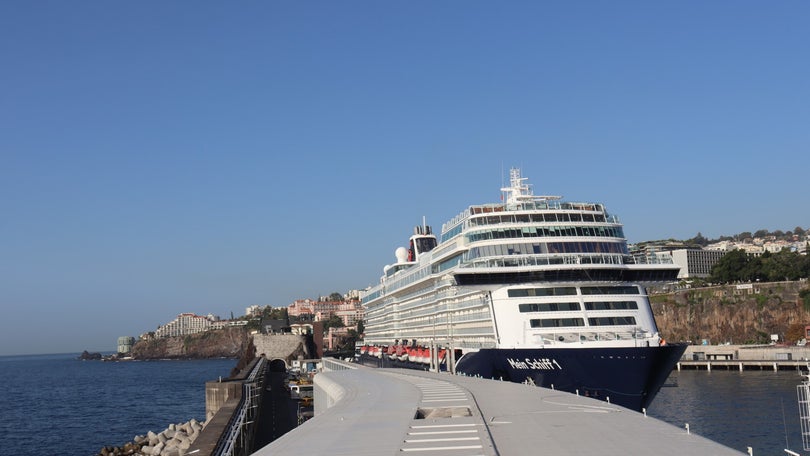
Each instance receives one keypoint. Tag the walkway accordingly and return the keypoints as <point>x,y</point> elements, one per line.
<point>395,411</point>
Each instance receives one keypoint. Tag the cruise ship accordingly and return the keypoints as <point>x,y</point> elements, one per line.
<point>532,289</point>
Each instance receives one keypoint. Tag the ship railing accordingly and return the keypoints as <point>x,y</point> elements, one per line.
<point>444,295</point>
<point>440,322</point>
<point>443,334</point>
<point>641,337</point>
<point>473,344</point>
<point>544,260</point>
<point>444,319</point>
<point>455,307</point>
<point>652,259</point>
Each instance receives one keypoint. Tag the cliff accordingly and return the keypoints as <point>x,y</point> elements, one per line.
<point>222,343</point>
<point>740,314</point>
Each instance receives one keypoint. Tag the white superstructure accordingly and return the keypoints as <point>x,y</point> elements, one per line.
<point>530,272</point>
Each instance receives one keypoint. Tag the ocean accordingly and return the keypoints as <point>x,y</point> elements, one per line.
<point>56,404</point>
<point>757,409</point>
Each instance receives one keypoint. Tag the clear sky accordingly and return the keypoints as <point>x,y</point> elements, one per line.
<point>166,157</point>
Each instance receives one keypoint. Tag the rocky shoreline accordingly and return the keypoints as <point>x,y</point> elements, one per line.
<point>173,441</point>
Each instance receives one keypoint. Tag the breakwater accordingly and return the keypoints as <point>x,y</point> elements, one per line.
<point>172,441</point>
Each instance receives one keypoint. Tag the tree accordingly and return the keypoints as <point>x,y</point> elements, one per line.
<point>731,267</point>
<point>698,240</point>
<point>333,322</point>
<point>336,297</point>
<point>798,231</point>
<point>761,233</point>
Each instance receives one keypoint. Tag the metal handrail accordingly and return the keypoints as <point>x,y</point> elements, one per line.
<point>244,415</point>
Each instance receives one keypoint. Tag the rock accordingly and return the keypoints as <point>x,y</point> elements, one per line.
<point>90,356</point>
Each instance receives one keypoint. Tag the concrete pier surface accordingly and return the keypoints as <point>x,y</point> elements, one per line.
<point>363,411</point>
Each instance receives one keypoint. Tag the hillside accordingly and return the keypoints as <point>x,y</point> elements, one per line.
<point>739,314</point>
<point>227,343</point>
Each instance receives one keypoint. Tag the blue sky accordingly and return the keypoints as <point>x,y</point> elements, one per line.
<point>168,157</point>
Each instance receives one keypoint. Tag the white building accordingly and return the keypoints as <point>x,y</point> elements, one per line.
<point>695,262</point>
<point>185,323</point>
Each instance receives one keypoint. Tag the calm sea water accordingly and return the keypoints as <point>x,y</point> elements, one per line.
<point>56,404</point>
<point>757,409</point>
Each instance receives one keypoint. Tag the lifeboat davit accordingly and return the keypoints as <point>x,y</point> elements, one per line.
<point>442,355</point>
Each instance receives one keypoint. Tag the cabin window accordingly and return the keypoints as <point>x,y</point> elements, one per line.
<point>612,321</point>
<point>625,290</point>
<point>550,291</point>
<point>611,305</point>
<point>556,322</point>
<point>549,307</point>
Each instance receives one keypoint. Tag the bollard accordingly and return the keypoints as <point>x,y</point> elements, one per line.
<point>687,428</point>
<point>644,411</point>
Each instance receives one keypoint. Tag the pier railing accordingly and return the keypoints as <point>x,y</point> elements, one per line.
<point>237,440</point>
<point>231,409</point>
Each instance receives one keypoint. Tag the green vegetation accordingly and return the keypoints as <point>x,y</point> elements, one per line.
<point>738,266</point>
<point>333,322</point>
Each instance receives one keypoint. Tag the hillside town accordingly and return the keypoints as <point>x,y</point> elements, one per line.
<point>697,257</point>
<point>339,316</point>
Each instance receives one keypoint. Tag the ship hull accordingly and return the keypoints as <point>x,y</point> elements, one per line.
<point>629,377</point>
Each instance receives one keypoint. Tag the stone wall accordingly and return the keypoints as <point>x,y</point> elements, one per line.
<point>280,346</point>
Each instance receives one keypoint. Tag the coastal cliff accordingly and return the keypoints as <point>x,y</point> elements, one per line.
<point>221,343</point>
<point>740,314</point>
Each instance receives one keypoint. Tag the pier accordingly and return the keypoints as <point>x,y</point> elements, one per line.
<point>365,411</point>
<point>745,357</point>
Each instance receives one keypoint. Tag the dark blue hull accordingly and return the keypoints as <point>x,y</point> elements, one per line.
<point>629,377</point>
